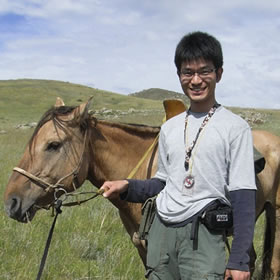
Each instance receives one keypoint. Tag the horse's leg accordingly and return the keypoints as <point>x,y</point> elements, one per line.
<point>253,257</point>
<point>269,238</point>
<point>259,211</point>
<point>132,230</point>
<point>130,214</point>
<point>260,208</point>
<point>275,258</point>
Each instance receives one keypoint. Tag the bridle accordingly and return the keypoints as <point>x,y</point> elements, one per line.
<point>59,186</point>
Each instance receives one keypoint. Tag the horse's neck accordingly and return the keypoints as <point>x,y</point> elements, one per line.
<point>116,149</point>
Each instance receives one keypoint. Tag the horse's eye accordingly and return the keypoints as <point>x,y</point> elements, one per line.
<point>53,146</point>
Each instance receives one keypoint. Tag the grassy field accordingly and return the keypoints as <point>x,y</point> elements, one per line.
<point>89,241</point>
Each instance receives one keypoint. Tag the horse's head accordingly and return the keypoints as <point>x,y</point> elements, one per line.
<point>54,161</point>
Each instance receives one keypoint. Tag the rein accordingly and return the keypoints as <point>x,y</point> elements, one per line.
<point>48,243</point>
<point>135,169</point>
<point>58,187</point>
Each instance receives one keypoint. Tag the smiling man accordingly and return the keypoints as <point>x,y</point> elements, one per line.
<point>199,85</point>
<point>205,170</point>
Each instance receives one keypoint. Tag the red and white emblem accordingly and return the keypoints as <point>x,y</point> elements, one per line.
<point>189,181</point>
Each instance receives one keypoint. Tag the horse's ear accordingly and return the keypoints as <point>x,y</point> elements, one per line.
<point>83,109</point>
<point>59,102</point>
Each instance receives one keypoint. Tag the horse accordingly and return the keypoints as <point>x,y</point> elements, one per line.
<point>69,146</point>
<point>268,200</point>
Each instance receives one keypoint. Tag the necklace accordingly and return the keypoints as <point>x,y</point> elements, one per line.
<point>189,180</point>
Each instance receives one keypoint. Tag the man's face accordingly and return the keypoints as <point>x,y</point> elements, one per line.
<point>198,80</point>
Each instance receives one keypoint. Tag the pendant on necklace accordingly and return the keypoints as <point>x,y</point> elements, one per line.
<point>189,181</point>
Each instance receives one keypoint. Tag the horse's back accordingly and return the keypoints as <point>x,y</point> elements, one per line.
<point>267,144</point>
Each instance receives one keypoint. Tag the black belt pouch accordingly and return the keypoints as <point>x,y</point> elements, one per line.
<point>218,216</point>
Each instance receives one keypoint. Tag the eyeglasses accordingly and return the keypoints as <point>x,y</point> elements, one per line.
<point>203,73</point>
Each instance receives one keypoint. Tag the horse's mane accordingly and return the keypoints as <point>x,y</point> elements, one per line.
<point>52,114</point>
<point>132,127</point>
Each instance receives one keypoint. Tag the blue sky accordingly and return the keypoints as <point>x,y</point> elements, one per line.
<point>125,46</point>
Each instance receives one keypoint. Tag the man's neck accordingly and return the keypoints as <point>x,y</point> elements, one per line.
<point>197,107</point>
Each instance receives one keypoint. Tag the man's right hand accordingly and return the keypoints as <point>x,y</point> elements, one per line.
<point>112,189</point>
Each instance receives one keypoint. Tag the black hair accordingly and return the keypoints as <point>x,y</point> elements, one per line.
<point>198,45</point>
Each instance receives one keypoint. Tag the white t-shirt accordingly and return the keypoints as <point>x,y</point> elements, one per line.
<point>221,161</point>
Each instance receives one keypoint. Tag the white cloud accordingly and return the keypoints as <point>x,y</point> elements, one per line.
<point>128,45</point>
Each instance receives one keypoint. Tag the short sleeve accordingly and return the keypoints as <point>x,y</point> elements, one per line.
<point>241,167</point>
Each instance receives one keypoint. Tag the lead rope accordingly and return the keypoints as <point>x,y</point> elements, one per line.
<point>57,207</point>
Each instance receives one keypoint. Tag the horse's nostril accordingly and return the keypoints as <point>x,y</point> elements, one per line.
<point>13,207</point>
<point>14,203</point>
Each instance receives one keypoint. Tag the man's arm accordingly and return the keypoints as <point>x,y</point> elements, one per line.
<point>244,207</point>
<point>133,190</point>
<point>141,190</point>
<point>242,194</point>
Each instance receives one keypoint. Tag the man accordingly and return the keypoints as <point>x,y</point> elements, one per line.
<point>205,156</point>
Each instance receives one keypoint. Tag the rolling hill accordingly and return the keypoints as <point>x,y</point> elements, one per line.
<point>25,100</point>
<point>159,94</point>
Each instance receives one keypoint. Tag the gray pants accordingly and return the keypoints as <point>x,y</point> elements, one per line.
<point>171,255</point>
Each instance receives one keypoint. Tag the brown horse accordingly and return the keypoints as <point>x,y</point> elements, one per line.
<point>70,146</point>
<point>268,199</point>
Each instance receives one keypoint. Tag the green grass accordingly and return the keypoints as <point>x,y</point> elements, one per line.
<point>89,241</point>
<point>271,119</point>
